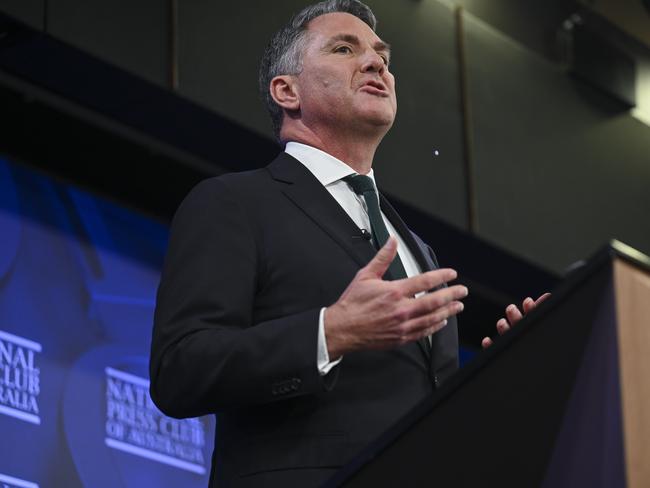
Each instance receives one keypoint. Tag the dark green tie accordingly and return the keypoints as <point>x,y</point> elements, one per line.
<point>364,186</point>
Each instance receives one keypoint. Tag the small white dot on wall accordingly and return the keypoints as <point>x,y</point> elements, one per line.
<point>436,152</point>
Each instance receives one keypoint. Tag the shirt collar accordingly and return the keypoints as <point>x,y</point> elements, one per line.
<point>326,168</point>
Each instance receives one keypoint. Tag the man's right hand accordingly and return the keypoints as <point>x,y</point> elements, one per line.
<point>376,314</point>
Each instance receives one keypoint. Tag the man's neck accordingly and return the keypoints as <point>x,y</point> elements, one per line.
<point>357,152</point>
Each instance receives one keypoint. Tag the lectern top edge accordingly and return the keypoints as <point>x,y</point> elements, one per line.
<point>630,254</point>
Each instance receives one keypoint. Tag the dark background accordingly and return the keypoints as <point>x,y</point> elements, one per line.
<point>539,110</point>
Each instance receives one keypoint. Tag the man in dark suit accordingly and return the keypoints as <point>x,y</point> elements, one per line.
<point>284,305</point>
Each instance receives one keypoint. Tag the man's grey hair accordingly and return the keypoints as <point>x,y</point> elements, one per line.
<point>283,55</point>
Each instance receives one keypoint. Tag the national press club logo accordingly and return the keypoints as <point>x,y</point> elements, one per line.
<point>115,434</point>
<point>19,377</point>
<point>135,425</point>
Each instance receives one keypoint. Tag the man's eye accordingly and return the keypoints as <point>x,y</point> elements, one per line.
<point>385,58</point>
<point>343,49</point>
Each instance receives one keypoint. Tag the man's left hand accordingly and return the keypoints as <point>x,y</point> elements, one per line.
<point>514,315</point>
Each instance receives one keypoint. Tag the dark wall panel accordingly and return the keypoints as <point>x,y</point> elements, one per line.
<point>534,23</point>
<point>133,35</point>
<point>220,45</point>
<point>29,11</point>
<point>220,48</point>
<point>559,168</point>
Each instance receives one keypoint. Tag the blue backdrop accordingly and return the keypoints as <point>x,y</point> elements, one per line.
<point>78,277</point>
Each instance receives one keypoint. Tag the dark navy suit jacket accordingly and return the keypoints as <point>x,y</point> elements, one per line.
<point>252,259</point>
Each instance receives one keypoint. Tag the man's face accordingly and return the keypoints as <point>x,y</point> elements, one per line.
<point>345,83</point>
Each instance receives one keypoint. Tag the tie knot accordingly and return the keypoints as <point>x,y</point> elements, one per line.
<point>360,183</point>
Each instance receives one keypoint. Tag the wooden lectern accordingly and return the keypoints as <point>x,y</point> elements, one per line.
<point>562,400</point>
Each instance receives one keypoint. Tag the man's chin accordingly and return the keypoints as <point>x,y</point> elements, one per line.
<point>381,120</point>
<point>375,127</point>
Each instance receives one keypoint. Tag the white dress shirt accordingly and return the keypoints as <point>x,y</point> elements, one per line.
<point>330,171</point>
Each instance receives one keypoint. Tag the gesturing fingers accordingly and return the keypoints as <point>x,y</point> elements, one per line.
<point>528,304</point>
<point>514,315</point>
<point>380,263</point>
<point>425,281</point>
<point>427,324</point>
<point>502,326</point>
<point>429,313</point>
<point>429,303</point>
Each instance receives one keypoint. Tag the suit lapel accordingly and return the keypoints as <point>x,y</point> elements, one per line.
<point>405,234</point>
<point>307,193</point>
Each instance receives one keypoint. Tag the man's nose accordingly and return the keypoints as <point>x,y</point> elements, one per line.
<point>373,62</point>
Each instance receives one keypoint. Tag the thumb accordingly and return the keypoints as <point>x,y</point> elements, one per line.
<point>380,263</point>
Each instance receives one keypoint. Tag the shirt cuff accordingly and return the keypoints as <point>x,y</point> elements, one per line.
<point>323,358</point>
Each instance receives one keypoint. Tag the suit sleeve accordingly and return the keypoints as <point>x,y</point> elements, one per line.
<point>206,354</point>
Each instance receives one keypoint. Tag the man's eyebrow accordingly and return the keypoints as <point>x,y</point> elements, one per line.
<point>382,46</point>
<point>354,40</point>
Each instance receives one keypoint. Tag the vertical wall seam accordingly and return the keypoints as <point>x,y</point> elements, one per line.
<point>467,145</point>
<point>45,16</point>
<point>173,44</point>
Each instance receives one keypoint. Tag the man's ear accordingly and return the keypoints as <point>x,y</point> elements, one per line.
<point>285,92</point>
